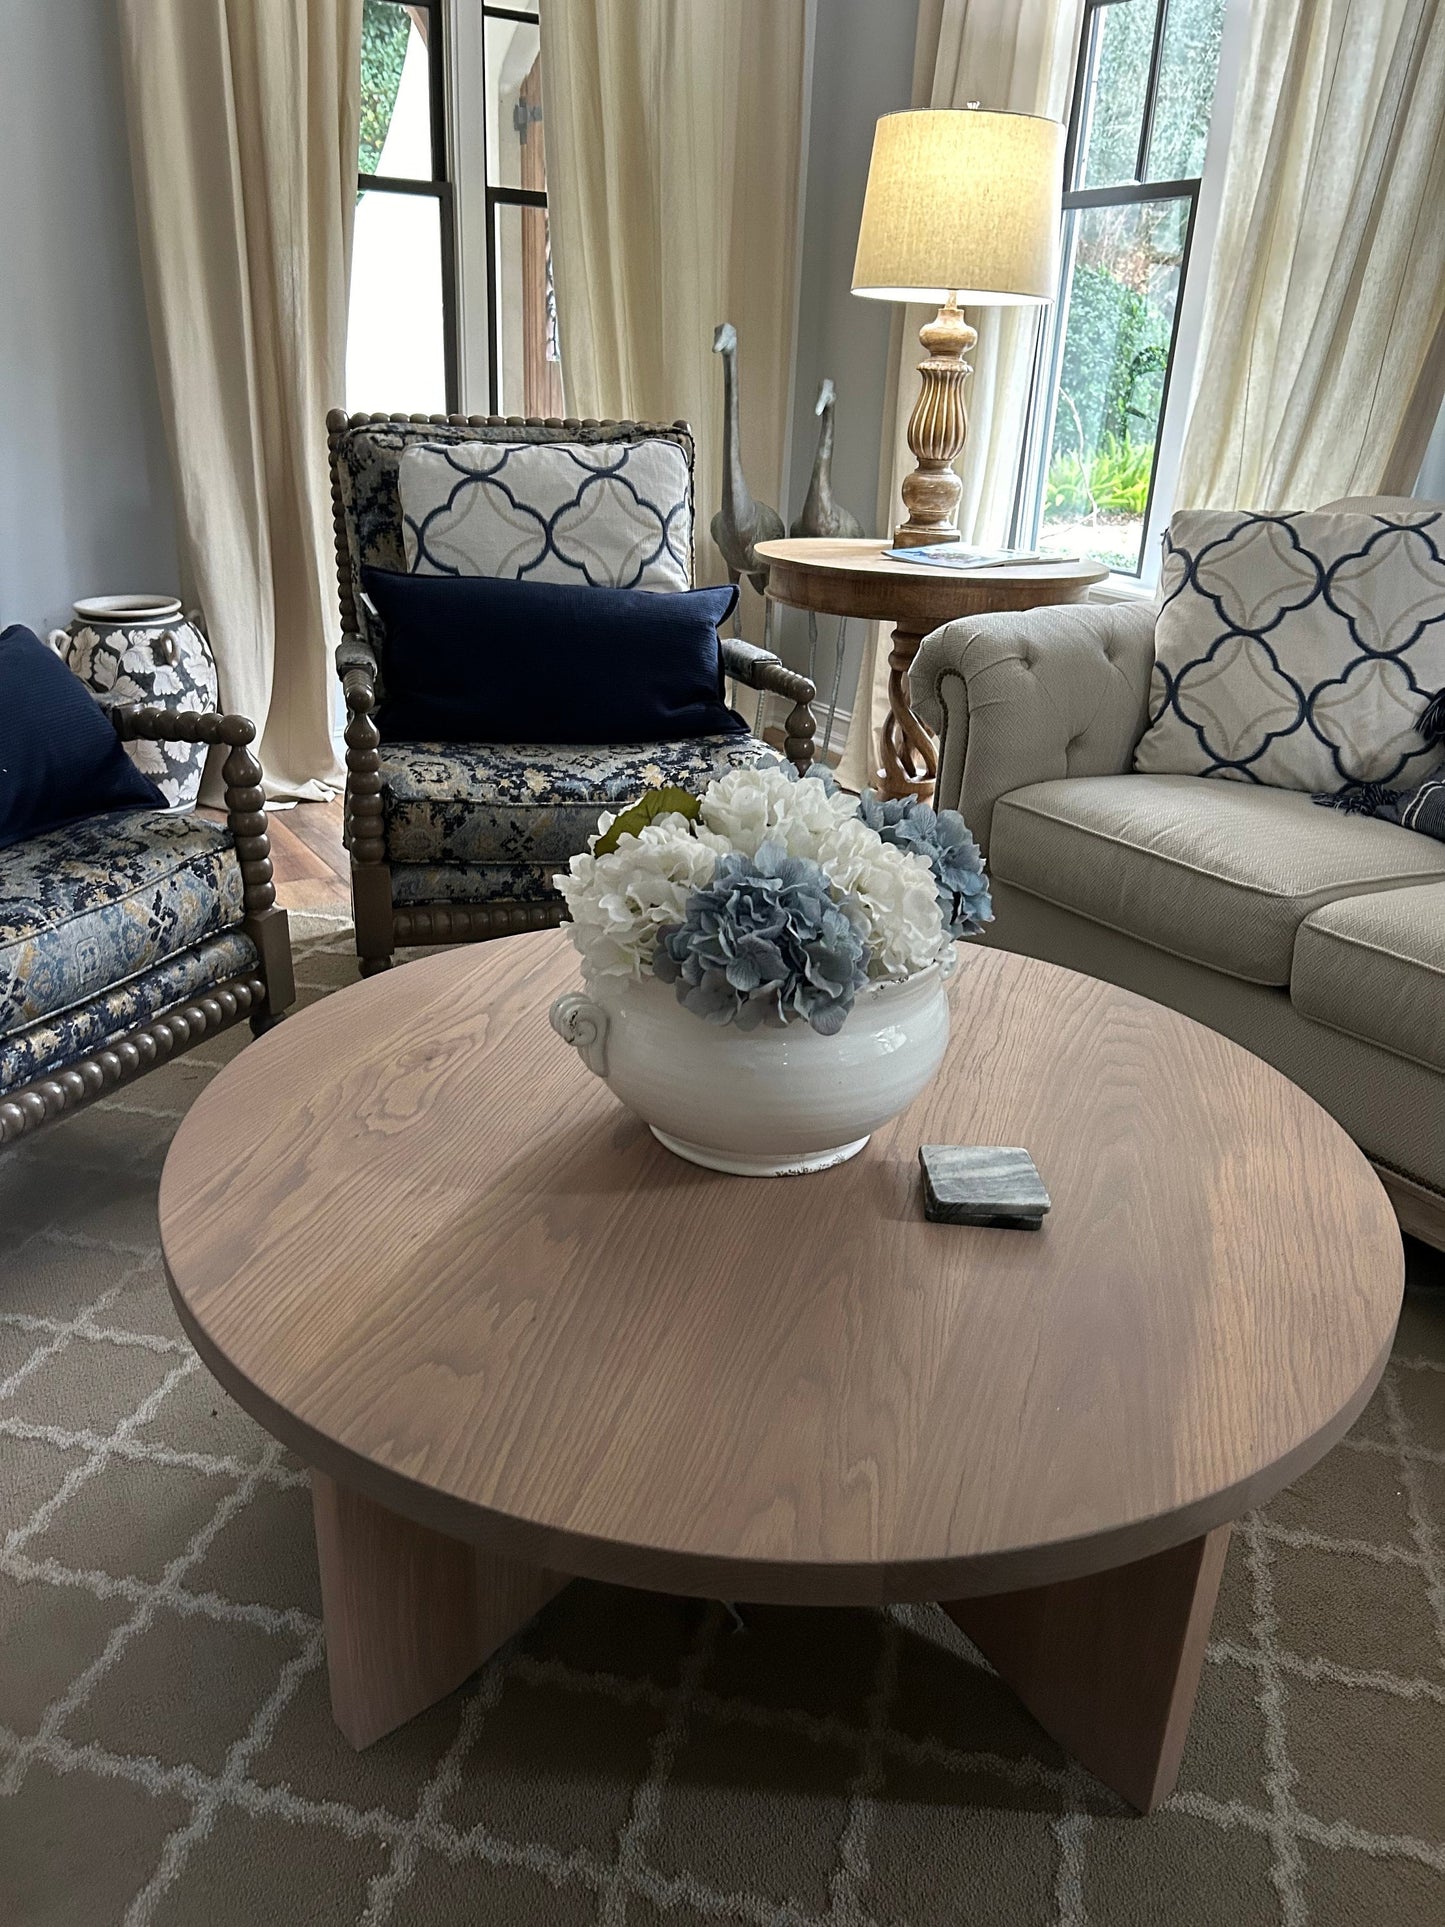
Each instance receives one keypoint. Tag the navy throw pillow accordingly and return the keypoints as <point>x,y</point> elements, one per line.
<point>60,758</point>
<point>488,659</point>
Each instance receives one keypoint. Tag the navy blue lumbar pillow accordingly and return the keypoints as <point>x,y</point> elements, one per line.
<point>60,758</point>
<point>488,659</point>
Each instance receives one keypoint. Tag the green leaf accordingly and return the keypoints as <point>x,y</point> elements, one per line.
<point>631,822</point>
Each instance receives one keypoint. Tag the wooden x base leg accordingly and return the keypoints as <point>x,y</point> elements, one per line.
<point>909,759</point>
<point>1109,1665</point>
<point>408,1612</point>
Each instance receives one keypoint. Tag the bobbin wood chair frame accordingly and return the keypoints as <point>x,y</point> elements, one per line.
<point>381,924</point>
<point>263,995</point>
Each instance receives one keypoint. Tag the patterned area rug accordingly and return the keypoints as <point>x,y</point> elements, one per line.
<point>167,1753</point>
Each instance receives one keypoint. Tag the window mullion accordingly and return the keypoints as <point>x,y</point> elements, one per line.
<point>1151,90</point>
<point>1076,143</point>
<point>1169,369</point>
<point>1130,193</point>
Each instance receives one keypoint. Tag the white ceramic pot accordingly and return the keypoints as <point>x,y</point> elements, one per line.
<point>141,649</point>
<point>767,1102</point>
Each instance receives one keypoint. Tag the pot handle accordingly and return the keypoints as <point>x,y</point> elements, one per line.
<point>582,1024</point>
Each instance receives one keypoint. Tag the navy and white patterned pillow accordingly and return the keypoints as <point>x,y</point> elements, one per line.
<point>614,515</point>
<point>1300,651</point>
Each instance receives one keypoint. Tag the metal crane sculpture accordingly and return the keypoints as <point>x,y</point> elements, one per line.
<point>820,514</point>
<point>741,523</point>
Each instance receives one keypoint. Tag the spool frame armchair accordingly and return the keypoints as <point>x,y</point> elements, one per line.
<point>263,993</point>
<point>360,517</point>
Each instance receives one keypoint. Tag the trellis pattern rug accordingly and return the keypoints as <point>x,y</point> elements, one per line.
<point>167,1753</point>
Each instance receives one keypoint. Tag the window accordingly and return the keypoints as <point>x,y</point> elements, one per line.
<point>401,343</point>
<point>1144,98</point>
<point>451,286</point>
<point>524,363</point>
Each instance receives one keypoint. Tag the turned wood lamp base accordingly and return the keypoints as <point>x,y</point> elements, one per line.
<point>937,430</point>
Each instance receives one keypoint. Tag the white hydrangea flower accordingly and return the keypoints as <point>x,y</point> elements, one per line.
<point>619,902</point>
<point>899,898</point>
<point>750,807</point>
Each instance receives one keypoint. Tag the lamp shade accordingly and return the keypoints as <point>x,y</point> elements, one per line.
<point>962,202</point>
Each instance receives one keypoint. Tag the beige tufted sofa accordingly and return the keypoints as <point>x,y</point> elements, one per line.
<point>1314,939</point>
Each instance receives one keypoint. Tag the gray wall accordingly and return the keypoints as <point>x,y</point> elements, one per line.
<point>85,500</point>
<point>862,67</point>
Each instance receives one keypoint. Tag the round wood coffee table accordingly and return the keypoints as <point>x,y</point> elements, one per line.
<point>518,1341</point>
<point>851,576</point>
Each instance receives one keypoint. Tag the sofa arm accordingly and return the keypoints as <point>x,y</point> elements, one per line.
<point>1033,694</point>
<point>761,669</point>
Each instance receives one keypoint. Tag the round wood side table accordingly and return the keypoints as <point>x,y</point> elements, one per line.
<point>516,1340</point>
<point>854,578</point>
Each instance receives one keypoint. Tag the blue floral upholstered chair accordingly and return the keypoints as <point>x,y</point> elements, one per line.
<point>127,938</point>
<point>452,842</point>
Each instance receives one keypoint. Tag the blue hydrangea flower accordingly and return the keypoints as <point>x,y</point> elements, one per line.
<point>943,837</point>
<point>765,943</point>
<point>814,773</point>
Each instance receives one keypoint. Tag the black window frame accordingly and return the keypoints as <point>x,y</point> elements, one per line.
<point>438,188</point>
<point>499,197</point>
<point>1043,404</point>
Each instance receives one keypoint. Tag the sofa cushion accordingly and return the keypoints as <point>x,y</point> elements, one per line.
<point>1222,874</point>
<point>1374,967</point>
<point>88,906</point>
<point>68,1035</point>
<point>534,803</point>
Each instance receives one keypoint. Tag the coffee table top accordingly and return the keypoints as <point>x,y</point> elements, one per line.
<point>424,1246</point>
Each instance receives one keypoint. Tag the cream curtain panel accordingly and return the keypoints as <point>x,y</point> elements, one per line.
<point>243,132</point>
<point>674,141</point>
<point>1323,356</point>
<point>1000,54</point>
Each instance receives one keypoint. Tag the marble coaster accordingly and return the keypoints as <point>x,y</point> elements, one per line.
<point>987,1184</point>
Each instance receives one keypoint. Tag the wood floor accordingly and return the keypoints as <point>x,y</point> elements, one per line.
<point>312,871</point>
<point>311,866</point>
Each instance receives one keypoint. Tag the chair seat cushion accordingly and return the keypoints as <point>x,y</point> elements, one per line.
<point>86,907</point>
<point>71,1034</point>
<point>1222,874</point>
<point>1374,967</point>
<point>534,803</point>
<point>472,882</point>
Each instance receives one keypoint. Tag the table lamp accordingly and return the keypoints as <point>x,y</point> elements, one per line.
<point>962,208</point>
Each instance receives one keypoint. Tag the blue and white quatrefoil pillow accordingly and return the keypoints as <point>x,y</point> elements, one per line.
<point>614,515</point>
<point>1299,651</point>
